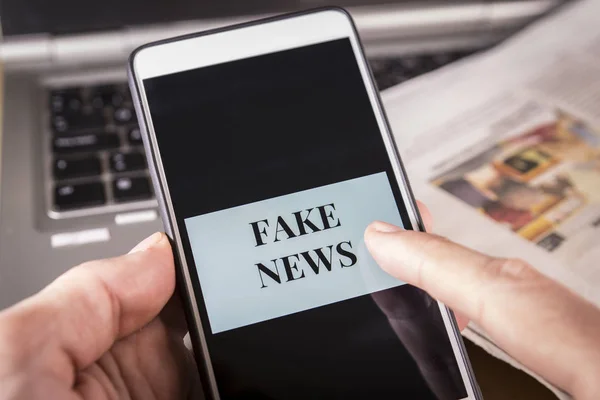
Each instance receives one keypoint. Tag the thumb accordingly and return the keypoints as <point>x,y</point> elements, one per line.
<point>78,317</point>
<point>527,314</point>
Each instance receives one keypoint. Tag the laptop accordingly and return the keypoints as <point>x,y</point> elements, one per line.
<point>74,181</point>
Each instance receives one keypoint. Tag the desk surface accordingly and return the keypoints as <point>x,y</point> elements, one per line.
<point>500,381</point>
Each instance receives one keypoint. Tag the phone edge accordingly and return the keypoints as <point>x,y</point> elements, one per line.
<point>453,323</point>
<point>202,361</point>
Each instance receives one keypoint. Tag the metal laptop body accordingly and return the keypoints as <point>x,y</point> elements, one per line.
<point>46,52</point>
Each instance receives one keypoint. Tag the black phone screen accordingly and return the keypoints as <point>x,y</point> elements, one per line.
<point>275,165</point>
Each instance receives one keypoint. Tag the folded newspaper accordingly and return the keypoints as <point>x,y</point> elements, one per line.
<point>504,148</point>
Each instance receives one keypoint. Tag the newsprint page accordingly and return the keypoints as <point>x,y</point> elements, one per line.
<point>504,148</point>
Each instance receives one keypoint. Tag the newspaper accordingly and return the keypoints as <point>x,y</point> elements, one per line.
<point>504,148</point>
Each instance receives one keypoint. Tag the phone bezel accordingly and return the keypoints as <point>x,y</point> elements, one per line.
<point>338,24</point>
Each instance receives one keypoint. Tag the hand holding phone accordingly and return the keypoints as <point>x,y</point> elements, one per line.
<point>270,154</point>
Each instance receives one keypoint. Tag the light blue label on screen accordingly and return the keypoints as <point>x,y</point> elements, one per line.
<point>290,253</point>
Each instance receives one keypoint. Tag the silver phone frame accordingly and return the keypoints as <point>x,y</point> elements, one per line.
<point>172,230</point>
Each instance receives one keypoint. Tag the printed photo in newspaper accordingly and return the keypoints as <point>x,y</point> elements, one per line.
<point>536,183</point>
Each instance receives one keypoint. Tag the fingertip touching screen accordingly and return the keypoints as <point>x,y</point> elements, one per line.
<point>276,165</point>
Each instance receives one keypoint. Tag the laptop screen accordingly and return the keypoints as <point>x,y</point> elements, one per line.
<point>72,16</point>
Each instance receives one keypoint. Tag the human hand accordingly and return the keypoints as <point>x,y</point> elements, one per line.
<point>536,320</point>
<point>95,333</point>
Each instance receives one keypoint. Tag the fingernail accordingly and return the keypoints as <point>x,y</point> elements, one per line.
<point>384,227</point>
<point>147,243</point>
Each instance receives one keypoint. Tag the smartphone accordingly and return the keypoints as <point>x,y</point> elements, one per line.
<point>270,154</point>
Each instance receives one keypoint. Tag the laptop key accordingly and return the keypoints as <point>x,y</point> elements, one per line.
<point>123,115</point>
<point>69,197</point>
<point>85,143</point>
<point>65,168</point>
<point>131,189</point>
<point>64,124</point>
<point>134,136</point>
<point>124,162</point>
<point>60,124</point>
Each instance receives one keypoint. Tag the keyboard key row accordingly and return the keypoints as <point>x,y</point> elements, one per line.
<point>107,96</point>
<point>73,100</point>
<point>392,71</point>
<point>77,123</point>
<point>62,124</point>
<point>71,168</point>
<point>93,194</point>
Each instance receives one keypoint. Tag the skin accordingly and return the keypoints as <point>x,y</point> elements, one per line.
<point>97,332</point>
<point>542,324</point>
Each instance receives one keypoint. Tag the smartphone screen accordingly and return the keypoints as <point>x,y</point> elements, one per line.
<point>275,166</point>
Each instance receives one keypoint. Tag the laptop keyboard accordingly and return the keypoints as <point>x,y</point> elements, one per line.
<point>97,152</point>
<point>98,161</point>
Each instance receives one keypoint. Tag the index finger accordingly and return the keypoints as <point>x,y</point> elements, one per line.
<point>431,263</point>
<point>527,314</point>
